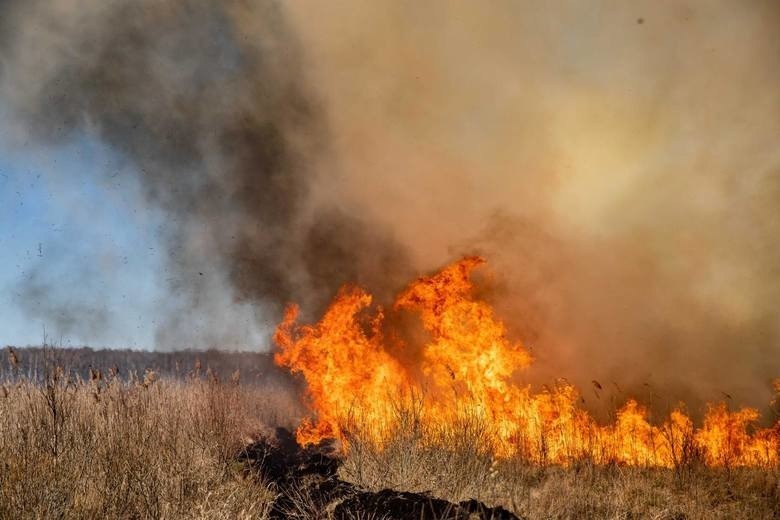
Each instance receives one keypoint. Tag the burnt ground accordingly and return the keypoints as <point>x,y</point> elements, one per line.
<point>307,485</point>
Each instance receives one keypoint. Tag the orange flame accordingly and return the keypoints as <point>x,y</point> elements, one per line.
<point>466,368</point>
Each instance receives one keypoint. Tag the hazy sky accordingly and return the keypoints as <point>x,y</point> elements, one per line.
<point>62,223</point>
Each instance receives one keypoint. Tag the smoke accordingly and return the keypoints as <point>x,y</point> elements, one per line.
<point>40,300</point>
<point>615,162</point>
<point>209,101</point>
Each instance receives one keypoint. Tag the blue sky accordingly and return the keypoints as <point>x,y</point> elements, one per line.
<point>72,220</point>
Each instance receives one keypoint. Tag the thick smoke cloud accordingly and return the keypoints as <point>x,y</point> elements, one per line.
<point>209,101</point>
<point>616,162</point>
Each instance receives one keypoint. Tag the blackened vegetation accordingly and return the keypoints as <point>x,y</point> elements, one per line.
<point>307,485</point>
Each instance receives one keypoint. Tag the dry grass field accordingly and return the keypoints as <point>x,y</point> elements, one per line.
<point>151,447</point>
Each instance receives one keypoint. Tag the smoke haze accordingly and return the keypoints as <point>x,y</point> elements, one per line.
<point>616,164</point>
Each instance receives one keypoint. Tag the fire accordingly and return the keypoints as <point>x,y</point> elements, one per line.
<point>347,371</point>
<point>359,373</point>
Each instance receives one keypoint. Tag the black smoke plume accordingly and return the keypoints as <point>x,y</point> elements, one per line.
<point>209,101</point>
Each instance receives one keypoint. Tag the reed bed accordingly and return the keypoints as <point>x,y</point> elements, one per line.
<point>150,447</point>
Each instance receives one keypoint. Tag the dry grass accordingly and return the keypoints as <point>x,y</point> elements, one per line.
<point>163,448</point>
<point>457,466</point>
<point>141,449</point>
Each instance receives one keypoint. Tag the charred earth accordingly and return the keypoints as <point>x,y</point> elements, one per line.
<point>306,483</point>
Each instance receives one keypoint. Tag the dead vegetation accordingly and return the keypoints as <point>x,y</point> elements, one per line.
<point>458,466</point>
<point>156,447</point>
<point>138,448</point>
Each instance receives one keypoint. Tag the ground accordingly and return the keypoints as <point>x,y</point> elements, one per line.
<point>151,446</point>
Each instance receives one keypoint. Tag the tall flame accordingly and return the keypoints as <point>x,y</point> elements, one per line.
<point>466,368</point>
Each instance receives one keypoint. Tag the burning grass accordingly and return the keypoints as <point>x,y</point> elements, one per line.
<point>358,367</point>
<point>446,420</point>
<point>454,460</point>
<point>164,448</point>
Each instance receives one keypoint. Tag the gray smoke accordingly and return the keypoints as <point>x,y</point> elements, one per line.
<point>208,99</point>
